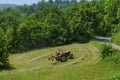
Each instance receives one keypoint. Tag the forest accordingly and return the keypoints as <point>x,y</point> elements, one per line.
<point>4,6</point>
<point>55,23</point>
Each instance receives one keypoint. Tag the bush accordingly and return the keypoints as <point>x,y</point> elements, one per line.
<point>110,55</point>
<point>113,57</point>
<point>106,51</point>
<point>116,38</point>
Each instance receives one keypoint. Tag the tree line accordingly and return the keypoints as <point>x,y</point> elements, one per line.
<point>48,24</point>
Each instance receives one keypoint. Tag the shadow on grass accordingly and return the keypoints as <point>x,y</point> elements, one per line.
<point>6,67</point>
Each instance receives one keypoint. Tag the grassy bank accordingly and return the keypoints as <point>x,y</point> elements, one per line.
<point>34,65</point>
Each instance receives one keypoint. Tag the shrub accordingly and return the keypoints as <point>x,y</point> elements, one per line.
<point>116,38</point>
<point>106,51</point>
<point>110,55</point>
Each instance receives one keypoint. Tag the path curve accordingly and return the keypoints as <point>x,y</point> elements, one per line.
<point>106,40</point>
<point>80,60</point>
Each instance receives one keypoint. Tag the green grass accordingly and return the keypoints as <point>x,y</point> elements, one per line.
<point>113,76</point>
<point>34,65</point>
<point>116,38</point>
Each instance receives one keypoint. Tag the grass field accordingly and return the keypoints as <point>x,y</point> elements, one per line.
<point>34,65</point>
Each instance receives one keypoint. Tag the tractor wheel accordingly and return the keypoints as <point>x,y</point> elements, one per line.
<point>63,59</point>
<point>71,56</point>
<point>58,58</point>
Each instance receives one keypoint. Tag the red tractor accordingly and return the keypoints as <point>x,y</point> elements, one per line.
<point>62,56</point>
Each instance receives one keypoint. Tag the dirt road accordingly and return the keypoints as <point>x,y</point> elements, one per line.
<point>106,40</point>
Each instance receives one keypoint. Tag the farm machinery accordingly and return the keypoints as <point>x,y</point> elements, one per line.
<point>61,55</point>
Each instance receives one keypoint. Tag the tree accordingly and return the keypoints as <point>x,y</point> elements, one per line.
<point>50,1</point>
<point>74,1</point>
<point>77,19</point>
<point>10,19</point>
<point>43,28</point>
<point>111,8</point>
<point>4,46</point>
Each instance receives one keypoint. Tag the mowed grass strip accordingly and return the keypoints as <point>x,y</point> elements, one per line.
<point>34,65</point>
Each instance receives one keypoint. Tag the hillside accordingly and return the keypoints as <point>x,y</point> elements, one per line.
<point>4,6</point>
<point>29,34</point>
<point>34,65</point>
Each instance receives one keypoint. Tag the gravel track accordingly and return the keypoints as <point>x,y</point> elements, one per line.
<point>106,40</point>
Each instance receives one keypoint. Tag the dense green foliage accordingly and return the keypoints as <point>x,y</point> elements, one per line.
<point>110,55</point>
<point>28,9</point>
<point>56,23</point>
<point>4,53</point>
<point>9,20</point>
<point>106,51</point>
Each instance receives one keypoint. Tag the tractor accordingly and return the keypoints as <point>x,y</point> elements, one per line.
<point>61,55</point>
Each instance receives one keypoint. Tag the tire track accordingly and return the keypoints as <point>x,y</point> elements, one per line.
<point>95,56</point>
<point>88,57</point>
<point>38,58</point>
<point>77,61</point>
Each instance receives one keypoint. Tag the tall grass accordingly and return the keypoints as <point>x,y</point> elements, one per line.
<point>111,56</point>
<point>113,76</point>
